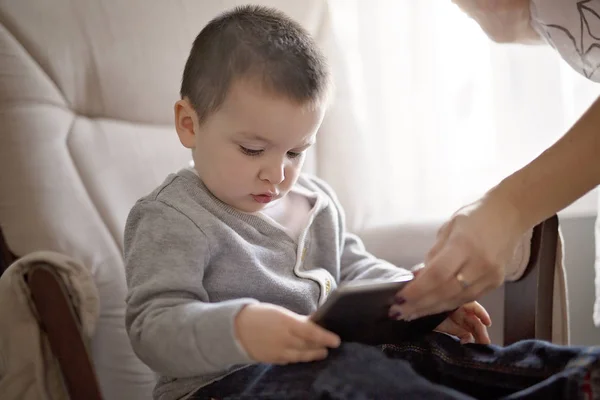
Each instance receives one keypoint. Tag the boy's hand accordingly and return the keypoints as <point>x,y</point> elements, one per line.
<point>275,335</point>
<point>469,323</point>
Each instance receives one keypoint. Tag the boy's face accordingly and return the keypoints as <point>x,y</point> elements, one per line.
<point>250,151</point>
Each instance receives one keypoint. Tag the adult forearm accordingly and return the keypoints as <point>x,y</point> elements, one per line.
<point>518,31</point>
<point>559,176</point>
<point>503,21</point>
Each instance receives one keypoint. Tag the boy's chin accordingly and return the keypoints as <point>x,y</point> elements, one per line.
<point>249,206</point>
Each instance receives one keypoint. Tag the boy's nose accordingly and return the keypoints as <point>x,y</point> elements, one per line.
<point>274,174</point>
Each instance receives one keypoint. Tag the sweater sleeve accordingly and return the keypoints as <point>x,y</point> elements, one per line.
<point>172,325</point>
<point>356,262</point>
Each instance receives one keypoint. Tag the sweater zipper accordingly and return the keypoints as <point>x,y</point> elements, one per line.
<point>321,277</point>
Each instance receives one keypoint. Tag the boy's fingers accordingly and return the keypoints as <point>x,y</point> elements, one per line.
<point>467,338</point>
<point>485,318</point>
<point>477,328</point>
<point>313,355</point>
<point>298,343</point>
<point>294,356</point>
<point>311,332</point>
<point>466,326</point>
<point>480,312</point>
<point>451,327</point>
<point>480,331</point>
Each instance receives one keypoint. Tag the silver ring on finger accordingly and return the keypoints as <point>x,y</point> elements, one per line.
<point>462,281</point>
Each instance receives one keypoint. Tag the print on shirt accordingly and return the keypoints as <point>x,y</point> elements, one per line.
<point>580,40</point>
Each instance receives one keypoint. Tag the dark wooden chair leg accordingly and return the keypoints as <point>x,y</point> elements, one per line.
<point>528,301</point>
<point>61,324</point>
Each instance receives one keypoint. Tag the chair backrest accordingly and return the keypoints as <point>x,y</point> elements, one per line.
<point>87,89</point>
<point>530,310</point>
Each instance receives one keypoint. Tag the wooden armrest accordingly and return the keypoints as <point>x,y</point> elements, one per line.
<point>61,324</point>
<point>528,302</point>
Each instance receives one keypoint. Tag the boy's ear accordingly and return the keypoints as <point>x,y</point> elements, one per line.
<point>186,123</point>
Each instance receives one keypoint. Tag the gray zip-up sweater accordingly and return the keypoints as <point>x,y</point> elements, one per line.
<point>192,262</point>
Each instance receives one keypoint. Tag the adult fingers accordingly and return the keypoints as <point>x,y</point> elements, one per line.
<point>473,279</point>
<point>462,296</point>
<point>433,286</point>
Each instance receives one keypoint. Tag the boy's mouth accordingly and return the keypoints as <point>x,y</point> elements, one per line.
<point>263,198</point>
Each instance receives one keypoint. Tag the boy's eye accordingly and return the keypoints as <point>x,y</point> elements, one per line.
<point>250,152</point>
<point>293,154</point>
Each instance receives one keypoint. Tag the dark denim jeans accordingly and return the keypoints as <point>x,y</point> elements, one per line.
<point>435,367</point>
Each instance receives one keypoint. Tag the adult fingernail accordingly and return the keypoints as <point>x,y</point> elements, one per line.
<point>395,315</point>
<point>399,300</point>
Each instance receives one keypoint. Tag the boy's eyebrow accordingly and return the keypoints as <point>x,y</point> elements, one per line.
<point>253,136</point>
<point>256,136</point>
<point>306,144</point>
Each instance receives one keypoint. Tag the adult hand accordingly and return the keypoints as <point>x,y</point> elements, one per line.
<point>275,335</point>
<point>468,259</point>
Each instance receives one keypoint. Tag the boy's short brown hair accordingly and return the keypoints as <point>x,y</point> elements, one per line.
<point>253,42</point>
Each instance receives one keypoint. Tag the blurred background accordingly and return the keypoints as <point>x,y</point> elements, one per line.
<point>446,113</point>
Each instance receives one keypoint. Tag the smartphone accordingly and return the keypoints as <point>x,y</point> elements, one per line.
<point>359,312</point>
